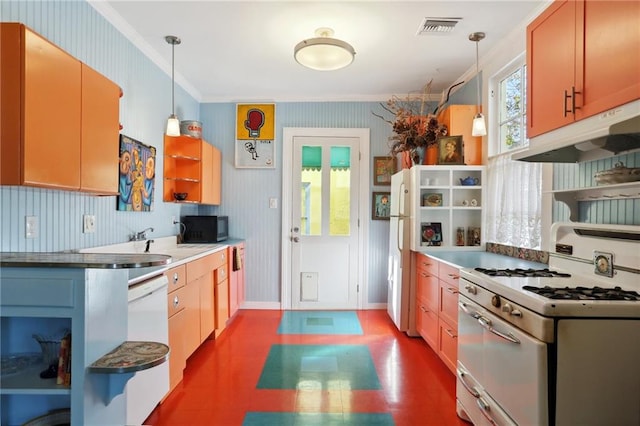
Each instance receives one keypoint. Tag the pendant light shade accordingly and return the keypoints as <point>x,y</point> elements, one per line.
<point>173,124</point>
<point>324,53</point>
<point>479,127</point>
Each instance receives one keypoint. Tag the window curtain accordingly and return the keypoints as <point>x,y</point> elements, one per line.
<point>514,202</point>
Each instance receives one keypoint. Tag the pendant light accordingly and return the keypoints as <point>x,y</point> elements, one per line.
<point>479,127</point>
<point>324,53</point>
<point>173,124</point>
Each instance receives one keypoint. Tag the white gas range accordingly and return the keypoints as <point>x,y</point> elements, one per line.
<point>558,346</point>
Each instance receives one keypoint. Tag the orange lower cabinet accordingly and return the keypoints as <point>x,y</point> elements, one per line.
<point>177,357</point>
<point>427,324</point>
<point>448,347</point>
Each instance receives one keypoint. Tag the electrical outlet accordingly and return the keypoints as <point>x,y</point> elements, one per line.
<point>273,203</point>
<point>88,223</point>
<point>31,226</point>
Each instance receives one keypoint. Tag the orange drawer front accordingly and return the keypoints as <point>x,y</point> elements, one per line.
<point>427,324</point>
<point>427,264</point>
<point>176,301</point>
<point>448,349</point>
<point>221,274</point>
<point>448,302</point>
<point>177,277</point>
<point>218,258</point>
<point>199,267</point>
<point>427,288</point>
<point>449,274</point>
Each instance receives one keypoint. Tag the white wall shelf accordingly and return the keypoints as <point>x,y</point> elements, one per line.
<point>618,191</point>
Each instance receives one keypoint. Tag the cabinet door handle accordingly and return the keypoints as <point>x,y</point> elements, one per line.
<point>452,290</point>
<point>571,96</point>
<point>454,276</point>
<point>422,308</point>
<point>175,277</point>
<point>450,333</point>
<point>176,301</point>
<point>424,274</point>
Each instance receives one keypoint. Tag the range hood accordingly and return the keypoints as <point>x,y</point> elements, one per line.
<point>610,133</point>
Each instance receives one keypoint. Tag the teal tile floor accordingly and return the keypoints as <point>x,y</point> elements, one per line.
<point>380,377</point>
<point>317,419</point>
<point>320,322</point>
<point>319,367</point>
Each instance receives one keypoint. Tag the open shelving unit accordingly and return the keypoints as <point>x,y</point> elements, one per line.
<point>461,191</point>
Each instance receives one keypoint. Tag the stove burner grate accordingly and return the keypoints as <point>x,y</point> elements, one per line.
<point>585,293</point>
<point>518,272</point>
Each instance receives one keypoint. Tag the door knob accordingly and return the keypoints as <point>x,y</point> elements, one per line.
<point>295,239</point>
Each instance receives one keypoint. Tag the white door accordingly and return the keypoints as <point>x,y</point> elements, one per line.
<point>322,223</point>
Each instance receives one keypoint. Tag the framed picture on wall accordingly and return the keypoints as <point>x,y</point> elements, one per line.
<point>450,150</point>
<point>381,206</point>
<point>383,168</point>
<point>255,144</point>
<point>137,176</point>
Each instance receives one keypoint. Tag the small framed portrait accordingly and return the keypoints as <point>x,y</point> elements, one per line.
<point>450,150</point>
<point>383,168</point>
<point>381,206</point>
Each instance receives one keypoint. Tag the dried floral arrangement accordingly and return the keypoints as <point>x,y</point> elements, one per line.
<point>413,127</point>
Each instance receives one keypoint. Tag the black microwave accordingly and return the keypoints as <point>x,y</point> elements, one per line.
<point>205,229</point>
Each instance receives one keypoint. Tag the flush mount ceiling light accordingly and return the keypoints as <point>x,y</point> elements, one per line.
<point>479,128</point>
<point>324,53</point>
<point>173,124</point>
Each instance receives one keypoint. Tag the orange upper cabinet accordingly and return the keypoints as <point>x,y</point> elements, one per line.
<point>100,117</point>
<point>211,174</point>
<point>459,120</point>
<point>51,124</point>
<point>191,166</point>
<point>583,58</point>
<point>40,111</point>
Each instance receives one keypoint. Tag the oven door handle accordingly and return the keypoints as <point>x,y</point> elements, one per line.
<point>472,390</point>
<point>484,409</point>
<point>486,323</point>
<point>464,307</point>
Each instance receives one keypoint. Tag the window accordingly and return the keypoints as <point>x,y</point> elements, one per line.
<point>514,202</point>
<point>512,123</point>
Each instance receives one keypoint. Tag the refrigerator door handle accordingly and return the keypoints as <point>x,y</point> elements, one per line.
<point>399,232</point>
<point>401,192</point>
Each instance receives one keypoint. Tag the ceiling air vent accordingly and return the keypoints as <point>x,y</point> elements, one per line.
<point>437,25</point>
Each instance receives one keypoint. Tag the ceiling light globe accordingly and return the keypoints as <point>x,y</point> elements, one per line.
<point>324,53</point>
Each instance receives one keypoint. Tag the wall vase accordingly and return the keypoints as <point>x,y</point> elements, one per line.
<point>432,155</point>
<point>417,156</point>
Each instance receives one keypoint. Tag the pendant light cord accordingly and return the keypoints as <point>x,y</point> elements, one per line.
<point>173,84</point>
<point>478,74</point>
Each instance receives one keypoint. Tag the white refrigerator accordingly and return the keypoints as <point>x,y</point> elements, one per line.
<point>401,295</point>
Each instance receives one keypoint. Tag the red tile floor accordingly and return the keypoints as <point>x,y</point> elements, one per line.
<point>219,384</point>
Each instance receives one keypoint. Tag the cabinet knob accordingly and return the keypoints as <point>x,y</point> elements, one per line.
<point>176,301</point>
<point>175,277</point>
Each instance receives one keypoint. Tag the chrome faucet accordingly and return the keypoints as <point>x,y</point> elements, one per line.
<point>142,235</point>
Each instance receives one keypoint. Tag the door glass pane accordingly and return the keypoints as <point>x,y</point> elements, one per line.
<point>311,191</point>
<point>340,200</point>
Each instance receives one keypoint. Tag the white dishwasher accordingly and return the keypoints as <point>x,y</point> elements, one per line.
<point>147,321</point>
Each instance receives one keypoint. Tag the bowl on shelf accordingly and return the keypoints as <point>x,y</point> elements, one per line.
<point>618,174</point>
<point>180,196</point>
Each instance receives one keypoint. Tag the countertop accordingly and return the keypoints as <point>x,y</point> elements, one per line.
<point>83,260</point>
<point>482,259</point>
